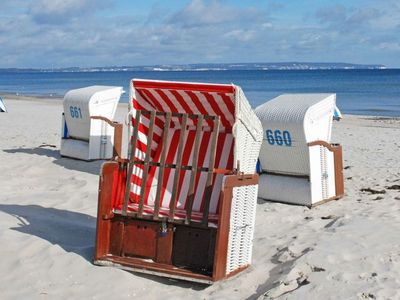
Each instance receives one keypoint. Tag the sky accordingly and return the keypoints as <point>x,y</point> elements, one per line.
<point>66,33</point>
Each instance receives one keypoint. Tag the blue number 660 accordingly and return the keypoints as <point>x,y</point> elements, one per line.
<point>279,138</point>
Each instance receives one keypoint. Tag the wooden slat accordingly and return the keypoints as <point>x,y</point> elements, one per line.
<point>104,208</point>
<point>131,161</point>
<point>185,168</point>
<point>178,168</point>
<point>162,165</point>
<point>146,163</point>
<point>194,170</point>
<point>139,264</point>
<point>338,163</point>
<point>208,191</point>
<point>180,115</point>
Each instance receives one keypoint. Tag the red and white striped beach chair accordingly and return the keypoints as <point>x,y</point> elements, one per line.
<point>183,204</point>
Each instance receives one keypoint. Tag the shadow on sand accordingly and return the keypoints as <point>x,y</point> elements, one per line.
<point>92,167</point>
<point>73,231</point>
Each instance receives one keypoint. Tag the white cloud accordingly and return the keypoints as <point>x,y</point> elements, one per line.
<point>267,25</point>
<point>391,46</point>
<point>241,35</point>
<point>58,11</point>
<point>74,33</point>
<point>202,12</point>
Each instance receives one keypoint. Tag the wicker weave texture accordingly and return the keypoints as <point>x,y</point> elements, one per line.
<point>322,179</point>
<point>241,231</point>
<point>306,117</point>
<point>286,189</point>
<point>248,134</point>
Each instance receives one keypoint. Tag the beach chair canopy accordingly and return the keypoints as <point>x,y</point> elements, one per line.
<point>337,114</point>
<point>87,129</point>
<point>298,163</point>
<point>81,104</point>
<point>290,121</point>
<point>238,137</point>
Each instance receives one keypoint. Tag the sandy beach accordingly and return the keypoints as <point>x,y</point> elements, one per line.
<point>346,249</point>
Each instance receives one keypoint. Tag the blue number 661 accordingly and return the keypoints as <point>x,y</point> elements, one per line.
<point>75,112</point>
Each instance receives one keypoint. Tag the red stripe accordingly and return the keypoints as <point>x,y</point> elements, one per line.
<point>158,104</point>
<point>158,121</point>
<point>145,130</point>
<point>222,140</point>
<point>202,156</point>
<point>152,171</point>
<point>189,142</point>
<point>149,97</point>
<point>217,110</point>
<point>220,146</point>
<point>196,101</point>
<point>229,102</point>
<point>143,104</point>
<point>144,98</point>
<point>172,148</point>
<point>206,87</point>
<point>142,147</point>
<point>182,102</point>
<point>167,101</point>
<point>135,180</point>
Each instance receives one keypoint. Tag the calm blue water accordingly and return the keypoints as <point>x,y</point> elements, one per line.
<point>368,92</point>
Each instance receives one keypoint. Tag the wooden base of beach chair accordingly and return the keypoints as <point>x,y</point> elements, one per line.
<point>162,246</point>
<point>309,206</point>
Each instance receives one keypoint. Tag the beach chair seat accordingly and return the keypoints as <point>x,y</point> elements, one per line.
<point>182,203</point>
<point>180,214</point>
<point>298,162</point>
<point>87,130</point>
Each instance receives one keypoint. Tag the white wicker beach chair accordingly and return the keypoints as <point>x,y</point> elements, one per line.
<point>183,204</point>
<point>298,162</point>
<point>87,132</point>
<point>2,106</point>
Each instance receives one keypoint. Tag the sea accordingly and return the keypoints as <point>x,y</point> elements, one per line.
<point>373,92</point>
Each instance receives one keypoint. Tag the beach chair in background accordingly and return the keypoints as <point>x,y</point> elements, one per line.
<point>2,106</point>
<point>87,130</point>
<point>182,204</point>
<point>337,114</point>
<point>298,163</point>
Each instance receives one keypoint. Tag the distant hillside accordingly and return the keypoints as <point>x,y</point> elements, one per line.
<point>211,67</point>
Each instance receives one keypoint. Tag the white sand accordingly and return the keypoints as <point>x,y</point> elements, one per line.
<point>347,249</point>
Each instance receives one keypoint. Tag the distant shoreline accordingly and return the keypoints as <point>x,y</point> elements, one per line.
<point>265,66</point>
<point>28,97</point>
